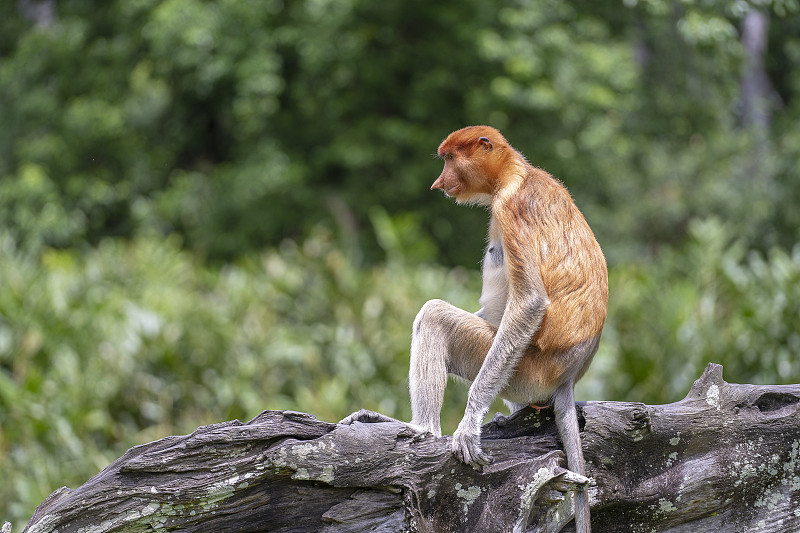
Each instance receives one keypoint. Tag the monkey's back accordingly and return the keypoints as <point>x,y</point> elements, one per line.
<point>556,237</point>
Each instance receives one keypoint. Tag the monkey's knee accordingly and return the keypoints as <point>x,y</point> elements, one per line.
<point>429,315</point>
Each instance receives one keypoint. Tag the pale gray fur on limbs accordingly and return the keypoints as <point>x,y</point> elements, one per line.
<point>543,303</point>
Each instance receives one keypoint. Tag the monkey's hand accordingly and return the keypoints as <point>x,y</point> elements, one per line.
<point>466,446</point>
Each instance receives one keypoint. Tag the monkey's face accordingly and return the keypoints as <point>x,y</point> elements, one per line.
<point>458,180</point>
<point>468,174</point>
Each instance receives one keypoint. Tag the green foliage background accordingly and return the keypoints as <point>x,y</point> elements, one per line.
<point>208,209</point>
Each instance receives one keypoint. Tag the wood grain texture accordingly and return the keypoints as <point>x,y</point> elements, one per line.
<point>725,458</point>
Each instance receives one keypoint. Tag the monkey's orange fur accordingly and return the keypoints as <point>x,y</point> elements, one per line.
<point>540,227</point>
<point>543,304</point>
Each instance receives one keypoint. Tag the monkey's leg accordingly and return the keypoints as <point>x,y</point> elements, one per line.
<point>445,339</point>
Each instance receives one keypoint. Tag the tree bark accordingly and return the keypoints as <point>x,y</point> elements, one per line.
<point>725,458</point>
<point>757,92</point>
<point>41,12</point>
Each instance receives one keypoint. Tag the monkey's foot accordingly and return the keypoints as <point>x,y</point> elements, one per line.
<point>366,416</point>
<point>501,420</point>
<point>467,449</point>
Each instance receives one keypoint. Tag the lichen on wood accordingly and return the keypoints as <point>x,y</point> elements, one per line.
<point>725,458</point>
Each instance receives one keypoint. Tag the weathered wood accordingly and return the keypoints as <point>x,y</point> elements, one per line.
<point>725,458</point>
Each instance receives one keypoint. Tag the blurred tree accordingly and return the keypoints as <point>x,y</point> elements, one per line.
<point>712,300</point>
<point>241,123</point>
<point>293,143</point>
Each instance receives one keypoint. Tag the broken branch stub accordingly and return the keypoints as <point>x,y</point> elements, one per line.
<point>725,458</point>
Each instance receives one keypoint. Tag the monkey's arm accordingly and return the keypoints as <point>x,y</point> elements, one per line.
<point>520,322</point>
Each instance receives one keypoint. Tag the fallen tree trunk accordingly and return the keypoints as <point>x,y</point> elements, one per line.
<point>725,458</point>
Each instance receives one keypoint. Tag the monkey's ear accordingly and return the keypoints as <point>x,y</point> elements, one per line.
<point>486,143</point>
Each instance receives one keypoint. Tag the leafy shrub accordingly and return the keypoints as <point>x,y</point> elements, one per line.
<point>712,300</point>
<point>133,341</point>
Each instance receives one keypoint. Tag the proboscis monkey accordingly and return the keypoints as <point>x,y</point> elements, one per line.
<point>543,303</point>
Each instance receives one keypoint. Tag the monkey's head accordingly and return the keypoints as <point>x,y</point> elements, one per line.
<point>475,159</point>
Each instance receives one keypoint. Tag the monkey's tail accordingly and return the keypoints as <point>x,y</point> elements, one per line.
<point>567,422</point>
